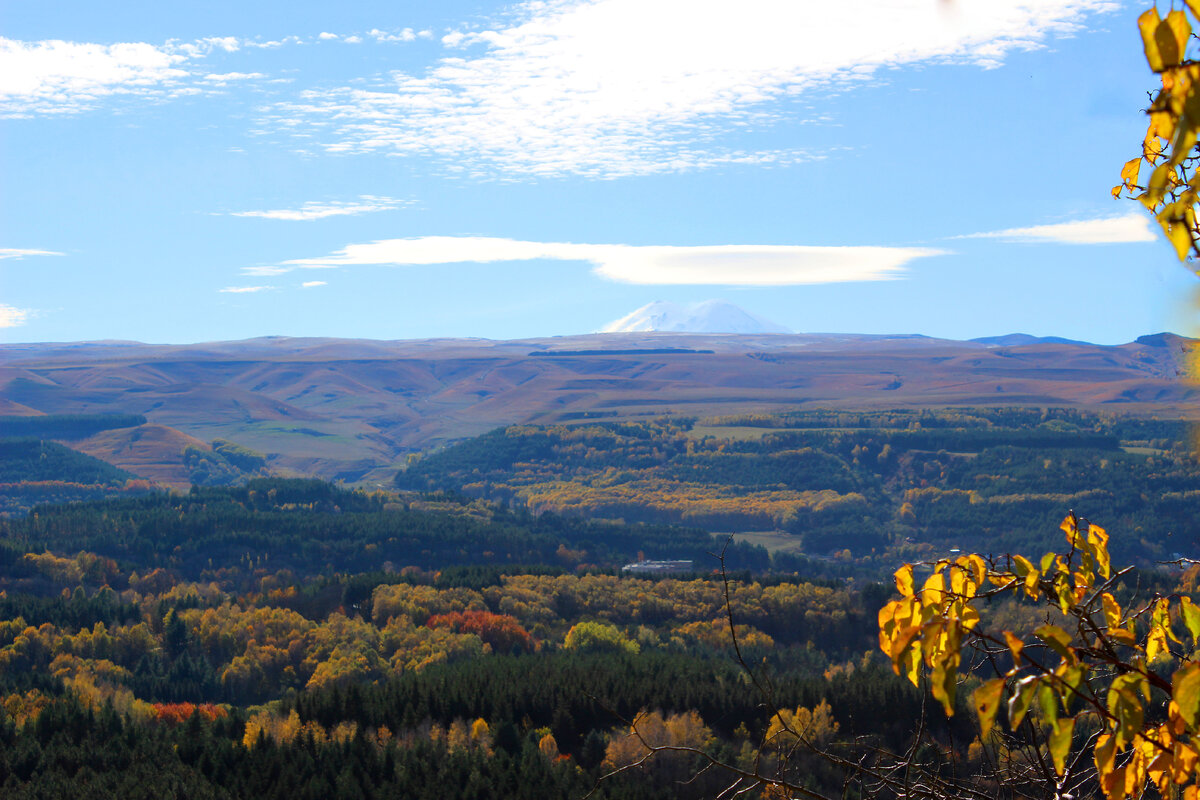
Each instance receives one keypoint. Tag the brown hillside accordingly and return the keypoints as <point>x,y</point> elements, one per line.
<point>346,408</point>
<point>149,451</point>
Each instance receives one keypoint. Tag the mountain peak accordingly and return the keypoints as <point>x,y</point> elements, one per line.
<point>711,316</point>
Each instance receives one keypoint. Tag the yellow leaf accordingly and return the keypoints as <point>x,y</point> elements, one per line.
<point>1116,192</point>
<point>987,703</point>
<point>958,582</point>
<point>1048,701</point>
<point>1171,36</point>
<point>1178,234</point>
<point>1129,177</point>
<point>1185,691</point>
<point>1191,618</point>
<point>1148,25</point>
<point>1124,706</point>
<point>933,591</point>
<point>1112,611</point>
<point>1060,743</point>
<point>1105,756</point>
<point>1123,636</point>
<point>1156,645</point>
<point>911,661</point>
<point>1098,539</point>
<point>1161,618</point>
<point>1015,645</point>
<point>1135,774</point>
<point>1018,701</point>
<point>1057,640</point>
<point>1185,762</point>
<point>1068,525</point>
<point>1072,677</point>
<point>977,566</point>
<point>1066,597</point>
<point>1159,771</point>
<point>904,580</point>
<point>944,683</point>
<point>1157,186</point>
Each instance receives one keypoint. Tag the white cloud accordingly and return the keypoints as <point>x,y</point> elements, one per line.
<point>271,44</point>
<point>311,210</point>
<point>325,35</point>
<point>60,77</point>
<point>608,88</point>
<point>734,265</point>
<point>406,35</point>
<point>244,289</point>
<point>312,284</point>
<point>1135,227</point>
<point>234,76</point>
<point>230,44</point>
<point>11,317</point>
<point>16,252</point>
<point>63,77</point>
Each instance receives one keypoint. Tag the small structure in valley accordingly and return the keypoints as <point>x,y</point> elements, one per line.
<point>657,567</point>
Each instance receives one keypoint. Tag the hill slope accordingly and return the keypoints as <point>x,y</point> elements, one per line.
<point>352,409</point>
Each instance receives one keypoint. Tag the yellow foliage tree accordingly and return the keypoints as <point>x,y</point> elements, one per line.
<point>1101,694</point>
<point>1171,148</point>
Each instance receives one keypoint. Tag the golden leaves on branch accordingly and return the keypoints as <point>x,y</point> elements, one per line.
<point>1171,192</point>
<point>1097,661</point>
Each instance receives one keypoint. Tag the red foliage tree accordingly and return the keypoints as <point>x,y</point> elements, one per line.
<point>501,631</point>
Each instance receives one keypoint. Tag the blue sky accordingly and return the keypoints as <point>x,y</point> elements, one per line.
<point>410,170</point>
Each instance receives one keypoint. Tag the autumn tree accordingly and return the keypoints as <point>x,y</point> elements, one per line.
<point>1170,186</point>
<point>1103,697</point>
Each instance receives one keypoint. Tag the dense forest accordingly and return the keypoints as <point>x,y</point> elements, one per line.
<point>209,643</point>
<point>473,634</point>
<point>878,487</point>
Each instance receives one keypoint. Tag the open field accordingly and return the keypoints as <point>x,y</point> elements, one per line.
<point>774,541</point>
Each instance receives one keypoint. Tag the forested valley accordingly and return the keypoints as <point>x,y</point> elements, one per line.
<point>472,633</point>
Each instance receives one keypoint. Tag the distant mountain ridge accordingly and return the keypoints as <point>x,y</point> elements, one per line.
<point>1025,338</point>
<point>353,409</point>
<point>711,316</point>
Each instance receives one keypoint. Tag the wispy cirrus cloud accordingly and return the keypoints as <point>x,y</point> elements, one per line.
<point>60,77</point>
<point>17,252</point>
<point>377,35</point>
<point>731,265</point>
<point>365,204</point>
<point>312,284</point>
<point>1126,229</point>
<point>57,77</point>
<point>608,88</point>
<point>245,289</point>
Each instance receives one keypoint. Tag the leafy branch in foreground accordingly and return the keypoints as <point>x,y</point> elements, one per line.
<point>1114,681</point>
<point>1170,146</point>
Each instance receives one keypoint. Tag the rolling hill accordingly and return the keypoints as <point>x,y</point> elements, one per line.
<point>353,409</point>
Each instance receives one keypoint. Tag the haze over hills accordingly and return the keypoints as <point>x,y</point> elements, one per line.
<point>354,409</point>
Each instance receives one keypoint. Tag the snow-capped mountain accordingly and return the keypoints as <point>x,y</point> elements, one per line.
<point>711,316</point>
